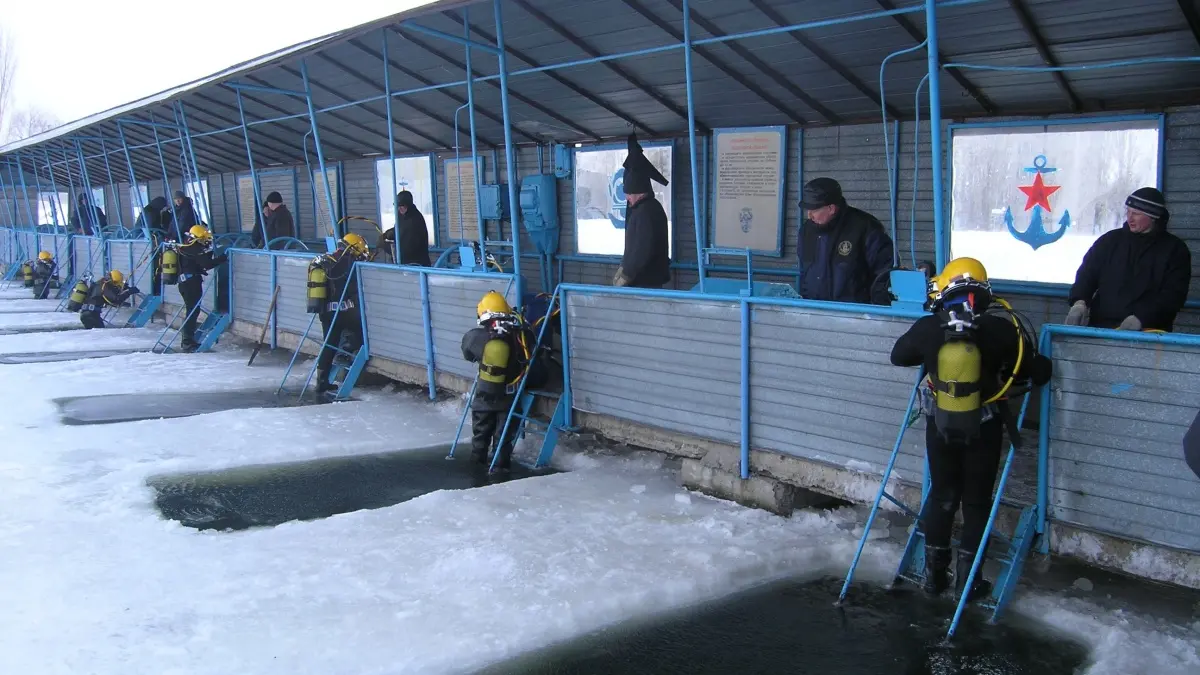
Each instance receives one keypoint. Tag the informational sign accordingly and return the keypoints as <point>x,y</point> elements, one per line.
<point>748,188</point>
<point>462,200</point>
<point>248,207</point>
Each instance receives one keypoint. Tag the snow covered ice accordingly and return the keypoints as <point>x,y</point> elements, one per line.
<point>95,580</point>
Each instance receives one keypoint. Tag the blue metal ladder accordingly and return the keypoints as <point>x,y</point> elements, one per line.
<point>347,366</point>
<point>207,333</point>
<point>912,562</point>
<point>146,307</point>
<point>523,406</point>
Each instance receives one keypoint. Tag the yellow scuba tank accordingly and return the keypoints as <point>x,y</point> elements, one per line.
<point>493,366</point>
<point>318,287</point>
<point>170,266</point>
<point>27,274</point>
<point>957,396</point>
<point>78,297</point>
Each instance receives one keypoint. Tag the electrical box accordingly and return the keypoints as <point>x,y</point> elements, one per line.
<point>562,161</point>
<point>910,289</point>
<point>493,202</point>
<point>539,211</point>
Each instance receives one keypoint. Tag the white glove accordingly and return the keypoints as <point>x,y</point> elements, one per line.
<point>619,278</point>
<point>1131,322</point>
<point>1078,316</point>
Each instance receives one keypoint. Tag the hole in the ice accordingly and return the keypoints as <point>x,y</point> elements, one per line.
<point>112,408</point>
<point>48,357</point>
<point>38,329</point>
<point>793,627</point>
<point>267,495</point>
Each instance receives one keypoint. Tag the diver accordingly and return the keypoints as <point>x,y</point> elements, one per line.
<point>501,344</point>
<point>196,259</point>
<point>341,321</point>
<point>45,275</point>
<point>974,361</point>
<point>109,291</point>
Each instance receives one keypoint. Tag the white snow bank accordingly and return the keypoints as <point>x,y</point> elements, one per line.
<point>79,341</point>
<point>39,320</point>
<point>27,305</point>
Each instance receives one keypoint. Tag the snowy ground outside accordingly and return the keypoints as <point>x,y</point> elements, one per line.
<point>1012,260</point>
<point>96,581</point>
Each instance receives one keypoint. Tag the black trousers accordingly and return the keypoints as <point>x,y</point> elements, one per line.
<point>41,289</point>
<point>960,475</point>
<point>192,290</point>
<point>485,426</point>
<point>91,320</point>
<point>347,327</point>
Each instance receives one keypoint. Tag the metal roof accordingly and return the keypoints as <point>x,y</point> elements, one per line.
<point>822,75</point>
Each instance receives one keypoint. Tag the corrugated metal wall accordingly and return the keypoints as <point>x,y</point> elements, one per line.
<point>1120,411</point>
<point>395,323</point>
<point>250,287</point>
<point>358,182</point>
<point>142,263</point>
<point>823,388</point>
<point>120,257</point>
<point>88,256</point>
<point>455,298</point>
<point>59,245</point>
<point>291,276</point>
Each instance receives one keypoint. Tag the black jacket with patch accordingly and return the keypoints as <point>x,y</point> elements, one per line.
<point>847,260</point>
<point>647,259</point>
<point>1143,275</point>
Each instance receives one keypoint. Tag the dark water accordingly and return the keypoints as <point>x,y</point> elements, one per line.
<point>793,627</point>
<point>269,495</point>
<point>110,408</point>
<point>48,357</point>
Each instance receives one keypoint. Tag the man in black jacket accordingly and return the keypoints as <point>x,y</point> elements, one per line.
<point>647,259</point>
<point>845,254</point>
<point>1135,277</point>
<point>109,291</point>
<point>195,261</point>
<point>962,468</point>
<point>278,223</point>
<point>414,234</point>
<point>341,322</point>
<point>183,211</point>
<point>88,219</point>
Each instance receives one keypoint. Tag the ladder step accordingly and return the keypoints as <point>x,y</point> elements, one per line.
<point>545,394</point>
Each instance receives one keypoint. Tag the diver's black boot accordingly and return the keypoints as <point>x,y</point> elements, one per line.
<point>981,588</point>
<point>937,564</point>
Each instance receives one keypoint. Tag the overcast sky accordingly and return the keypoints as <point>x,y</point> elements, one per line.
<point>78,57</point>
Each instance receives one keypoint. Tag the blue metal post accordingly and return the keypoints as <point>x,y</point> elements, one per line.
<point>53,187</point>
<point>510,158</point>
<point>935,130</point>
<point>87,191</point>
<point>387,88</point>
<point>895,197</point>
<point>474,149</point>
<point>1046,348</point>
<point>568,416</point>
<point>225,203</point>
<point>162,162</point>
<point>112,185</point>
<point>426,319</point>
<point>25,192</point>
<point>691,108</point>
<point>72,195</point>
<point>253,174</point>
<point>312,119</point>
<point>186,138</point>
<point>745,389</point>
<point>133,185</point>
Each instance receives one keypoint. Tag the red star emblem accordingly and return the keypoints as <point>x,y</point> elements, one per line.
<point>1038,194</point>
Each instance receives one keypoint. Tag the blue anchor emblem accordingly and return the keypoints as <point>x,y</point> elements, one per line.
<point>616,190</point>
<point>1038,199</point>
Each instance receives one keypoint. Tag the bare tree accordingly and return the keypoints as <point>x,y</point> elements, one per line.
<point>8,72</point>
<point>28,122</point>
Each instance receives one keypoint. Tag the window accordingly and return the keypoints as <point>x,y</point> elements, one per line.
<point>600,200</point>
<point>1029,201</point>
<point>137,199</point>
<point>197,191</point>
<point>99,199</point>
<point>248,207</point>
<point>414,174</point>
<point>52,208</point>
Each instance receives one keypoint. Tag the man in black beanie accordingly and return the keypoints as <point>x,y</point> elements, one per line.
<point>1135,277</point>
<point>279,220</point>
<point>647,259</point>
<point>414,233</point>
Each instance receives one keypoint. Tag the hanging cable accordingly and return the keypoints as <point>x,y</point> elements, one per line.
<point>887,146</point>
<point>1088,66</point>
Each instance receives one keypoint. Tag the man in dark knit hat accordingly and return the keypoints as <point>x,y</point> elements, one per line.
<point>647,259</point>
<point>184,211</point>
<point>845,254</point>
<point>414,233</point>
<point>279,221</point>
<point>1135,277</point>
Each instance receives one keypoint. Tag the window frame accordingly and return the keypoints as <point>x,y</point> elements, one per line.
<point>431,219</point>
<point>1044,288</point>
<point>710,158</point>
<point>602,257</point>
<point>55,207</point>
<point>136,208</point>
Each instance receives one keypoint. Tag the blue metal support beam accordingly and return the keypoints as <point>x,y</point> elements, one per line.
<point>510,158</point>
<point>312,116</point>
<point>238,86</point>
<point>387,88</point>
<point>167,186</point>
<point>691,111</point>
<point>466,42</point>
<point>938,158</point>
<point>133,184</point>
<point>86,179</point>
<point>71,194</point>
<point>151,123</point>
<point>262,223</point>
<point>474,150</point>
<point>112,185</point>
<point>206,212</point>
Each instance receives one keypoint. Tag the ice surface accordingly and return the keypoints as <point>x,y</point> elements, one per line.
<point>35,321</point>
<point>28,305</point>
<point>96,581</point>
<point>91,340</point>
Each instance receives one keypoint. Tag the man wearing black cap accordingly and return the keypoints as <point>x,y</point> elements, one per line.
<point>279,221</point>
<point>845,254</point>
<point>88,219</point>
<point>182,210</point>
<point>647,259</point>
<point>1135,277</point>
<point>414,234</point>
